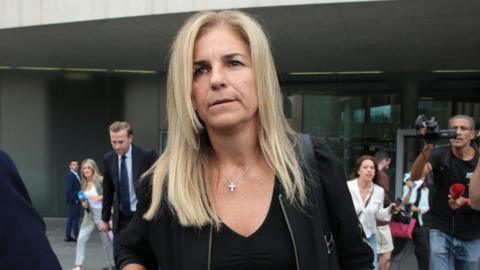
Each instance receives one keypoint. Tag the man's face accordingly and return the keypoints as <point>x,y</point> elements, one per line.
<point>387,163</point>
<point>120,141</point>
<point>73,166</point>
<point>464,133</point>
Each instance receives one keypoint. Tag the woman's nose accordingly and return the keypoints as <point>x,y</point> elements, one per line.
<point>217,77</point>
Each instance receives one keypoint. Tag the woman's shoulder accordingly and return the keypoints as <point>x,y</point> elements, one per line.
<point>378,190</point>
<point>326,158</point>
<point>145,185</point>
<point>322,150</point>
<point>351,184</point>
<point>352,181</point>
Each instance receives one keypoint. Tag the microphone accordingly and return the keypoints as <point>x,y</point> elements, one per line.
<point>457,190</point>
<point>82,197</point>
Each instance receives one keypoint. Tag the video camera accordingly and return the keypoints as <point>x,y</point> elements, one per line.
<point>433,134</point>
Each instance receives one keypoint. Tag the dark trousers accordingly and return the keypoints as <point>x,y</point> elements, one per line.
<point>420,241</point>
<point>73,220</point>
<point>123,221</point>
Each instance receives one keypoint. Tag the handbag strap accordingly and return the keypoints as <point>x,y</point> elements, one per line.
<point>369,196</point>
<point>368,200</point>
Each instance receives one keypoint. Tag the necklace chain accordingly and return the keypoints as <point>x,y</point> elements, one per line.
<point>232,183</point>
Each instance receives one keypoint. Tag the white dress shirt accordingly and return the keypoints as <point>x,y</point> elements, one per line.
<point>374,211</point>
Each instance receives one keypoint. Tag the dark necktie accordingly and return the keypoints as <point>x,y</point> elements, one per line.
<point>124,188</point>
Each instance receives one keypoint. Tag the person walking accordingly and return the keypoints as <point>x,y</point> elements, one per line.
<point>453,225</point>
<point>92,202</point>
<point>72,186</point>
<point>122,168</point>
<point>368,199</point>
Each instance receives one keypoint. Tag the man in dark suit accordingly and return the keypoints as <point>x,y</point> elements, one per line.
<point>122,168</point>
<point>23,243</point>
<point>72,187</point>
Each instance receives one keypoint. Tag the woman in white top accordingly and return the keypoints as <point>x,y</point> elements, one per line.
<point>92,189</point>
<point>368,198</point>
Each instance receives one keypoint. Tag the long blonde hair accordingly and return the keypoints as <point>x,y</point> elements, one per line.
<point>97,176</point>
<point>180,173</point>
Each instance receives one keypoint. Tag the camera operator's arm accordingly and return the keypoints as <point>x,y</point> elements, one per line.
<point>421,166</point>
<point>474,191</point>
<point>407,191</point>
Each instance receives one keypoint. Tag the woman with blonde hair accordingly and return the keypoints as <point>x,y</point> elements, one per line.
<point>230,191</point>
<point>92,202</point>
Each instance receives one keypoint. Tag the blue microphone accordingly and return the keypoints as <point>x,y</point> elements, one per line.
<point>82,197</point>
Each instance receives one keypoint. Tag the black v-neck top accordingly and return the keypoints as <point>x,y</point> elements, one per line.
<point>270,247</point>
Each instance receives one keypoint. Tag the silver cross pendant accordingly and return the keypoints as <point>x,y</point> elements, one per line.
<point>232,186</point>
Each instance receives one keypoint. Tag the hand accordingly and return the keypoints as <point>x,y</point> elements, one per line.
<point>458,203</point>
<point>428,146</point>
<point>422,131</point>
<point>409,184</point>
<point>85,204</point>
<point>394,208</point>
<point>103,226</point>
<point>96,198</point>
<point>414,209</point>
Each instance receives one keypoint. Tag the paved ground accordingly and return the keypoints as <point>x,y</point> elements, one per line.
<point>94,256</point>
<point>95,259</point>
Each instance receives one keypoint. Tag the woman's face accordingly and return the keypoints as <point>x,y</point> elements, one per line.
<point>367,170</point>
<point>224,89</point>
<point>87,171</point>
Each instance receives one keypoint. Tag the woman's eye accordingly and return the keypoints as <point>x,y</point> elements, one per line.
<point>199,71</point>
<point>234,63</point>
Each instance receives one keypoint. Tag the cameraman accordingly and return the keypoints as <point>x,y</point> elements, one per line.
<point>454,225</point>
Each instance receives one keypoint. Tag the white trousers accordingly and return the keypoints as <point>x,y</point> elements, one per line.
<point>84,235</point>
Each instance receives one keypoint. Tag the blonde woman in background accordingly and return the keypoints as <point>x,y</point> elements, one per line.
<point>92,188</point>
<point>229,191</point>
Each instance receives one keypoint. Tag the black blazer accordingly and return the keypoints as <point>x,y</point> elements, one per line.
<point>142,160</point>
<point>165,242</point>
<point>23,243</point>
<point>72,187</point>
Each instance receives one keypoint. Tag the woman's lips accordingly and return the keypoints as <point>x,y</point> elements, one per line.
<point>220,101</point>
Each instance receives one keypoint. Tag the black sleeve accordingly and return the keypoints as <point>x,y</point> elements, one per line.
<point>353,249</point>
<point>108,191</point>
<point>135,246</point>
<point>23,244</point>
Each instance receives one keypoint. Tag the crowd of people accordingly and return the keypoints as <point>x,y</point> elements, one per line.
<point>237,188</point>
